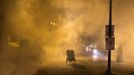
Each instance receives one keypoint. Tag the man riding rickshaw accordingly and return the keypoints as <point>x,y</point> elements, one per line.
<point>70,56</point>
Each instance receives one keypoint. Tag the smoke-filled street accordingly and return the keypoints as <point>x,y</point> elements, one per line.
<point>65,37</point>
<point>84,66</point>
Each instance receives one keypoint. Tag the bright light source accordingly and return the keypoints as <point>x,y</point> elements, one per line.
<point>95,57</point>
<point>53,23</point>
<point>95,54</point>
<point>95,51</point>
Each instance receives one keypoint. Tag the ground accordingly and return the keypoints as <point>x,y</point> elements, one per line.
<point>83,66</point>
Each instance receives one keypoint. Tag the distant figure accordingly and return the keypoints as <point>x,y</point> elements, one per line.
<point>70,56</point>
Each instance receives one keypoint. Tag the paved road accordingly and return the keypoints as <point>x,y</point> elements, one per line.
<point>84,66</point>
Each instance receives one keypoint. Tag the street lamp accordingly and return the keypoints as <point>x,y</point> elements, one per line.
<point>110,40</point>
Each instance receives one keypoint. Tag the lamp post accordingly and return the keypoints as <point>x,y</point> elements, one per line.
<point>110,40</point>
<point>110,26</point>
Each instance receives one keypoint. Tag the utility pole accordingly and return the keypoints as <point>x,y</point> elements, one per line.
<point>110,31</point>
<point>110,40</point>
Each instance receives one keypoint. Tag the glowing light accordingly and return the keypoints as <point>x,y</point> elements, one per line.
<point>95,57</point>
<point>95,54</point>
<point>53,23</point>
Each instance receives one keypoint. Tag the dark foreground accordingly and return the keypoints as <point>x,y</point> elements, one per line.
<point>83,67</point>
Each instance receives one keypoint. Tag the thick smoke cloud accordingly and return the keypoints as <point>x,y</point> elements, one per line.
<point>58,25</point>
<point>123,19</point>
